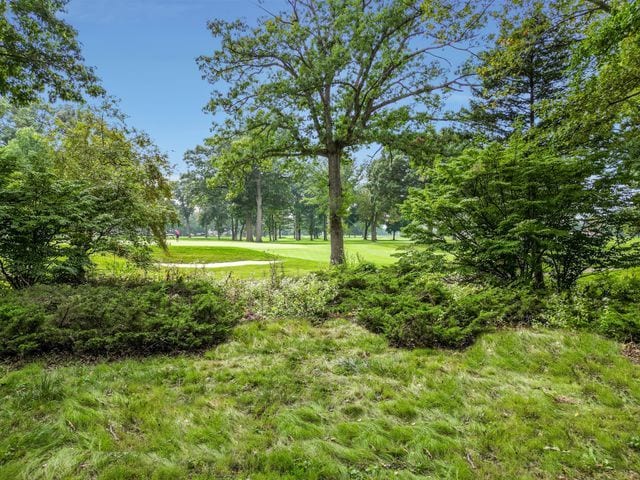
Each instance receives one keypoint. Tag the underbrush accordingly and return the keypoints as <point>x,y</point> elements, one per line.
<point>608,304</point>
<point>425,310</point>
<point>420,308</point>
<point>412,308</point>
<point>113,320</point>
<point>307,297</point>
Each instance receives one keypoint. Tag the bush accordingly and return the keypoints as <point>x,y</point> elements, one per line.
<point>415,311</point>
<point>414,308</point>
<point>113,320</point>
<point>608,304</point>
<point>307,297</point>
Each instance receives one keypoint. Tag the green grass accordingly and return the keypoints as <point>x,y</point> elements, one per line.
<point>208,254</point>
<point>296,257</point>
<point>285,400</point>
<point>316,251</point>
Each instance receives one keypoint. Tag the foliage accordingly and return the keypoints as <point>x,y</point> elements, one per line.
<point>308,297</point>
<point>89,186</point>
<point>524,70</point>
<point>212,201</point>
<point>38,116</point>
<point>238,188</point>
<point>413,308</point>
<point>608,304</point>
<point>40,52</point>
<point>113,320</point>
<point>326,77</point>
<point>424,310</point>
<point>36,207</point>
<point>388,178</point>
<point>558,194</point>
<point>519,212</point>
<point>184,193</point>
<point>605,86</point>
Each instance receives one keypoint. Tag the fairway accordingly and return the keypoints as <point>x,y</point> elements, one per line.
<point>296,257</point>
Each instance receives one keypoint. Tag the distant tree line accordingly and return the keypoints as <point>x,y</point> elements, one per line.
<point>245,199</point>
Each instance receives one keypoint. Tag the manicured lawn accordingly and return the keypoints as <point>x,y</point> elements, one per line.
<point>317,251</point>
<point>295,257</point>
<point>288,400</point>
<point>182,253</point>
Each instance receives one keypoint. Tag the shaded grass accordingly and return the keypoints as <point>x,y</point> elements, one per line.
<point>207,254</point>
<point>288,400</point>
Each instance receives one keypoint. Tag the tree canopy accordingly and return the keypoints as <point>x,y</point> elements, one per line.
<point>39,52</point>
<point>88,186</point>
<point>330,76</point>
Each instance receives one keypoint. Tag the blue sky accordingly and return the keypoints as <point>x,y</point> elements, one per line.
<point>145,51</point>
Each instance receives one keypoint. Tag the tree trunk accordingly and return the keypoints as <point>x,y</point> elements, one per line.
<point>234,229</point>
<point>249,228</point>
<point>296,226</point>
<point>537,267</point>
<point>365,234</point>
<point>258,207</point>
<point>272,228</point>
<point>312,225</point>
<point>324,227</point>
<point>335,209</point>
<point>374,228</point>
<point>394,235</point>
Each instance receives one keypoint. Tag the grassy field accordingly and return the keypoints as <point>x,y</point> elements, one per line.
<point>295,257</point>
<point>181,253</point>
<point>286,400</point>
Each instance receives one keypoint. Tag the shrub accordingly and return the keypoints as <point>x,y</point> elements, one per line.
<point>410,310</point>
<point>415,308</point>
<point>307,297</point>
<point>113,320</point>
<point>422,309</point>
<point>607,304</point>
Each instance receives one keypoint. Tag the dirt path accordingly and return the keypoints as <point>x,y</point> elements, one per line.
<point>241,263</point>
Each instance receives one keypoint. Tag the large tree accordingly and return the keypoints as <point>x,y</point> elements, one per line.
<point>212,200</point>
<point>185,192</point>
<point>240,166</point>
<point>525,68</point>
<point>332,75</point>
<point>40,52</point>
